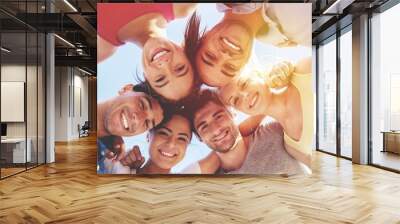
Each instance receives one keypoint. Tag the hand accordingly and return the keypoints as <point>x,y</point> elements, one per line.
<point>133,159</point>
<point>287,43</point>
<point>280,75</point>
<point>126,89</point>
<point>118,150</point>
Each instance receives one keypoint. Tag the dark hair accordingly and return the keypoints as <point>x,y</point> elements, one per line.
<point>204,97</point>
<point>192,37</point>
<point>191,45</point>
<point>169,112</point>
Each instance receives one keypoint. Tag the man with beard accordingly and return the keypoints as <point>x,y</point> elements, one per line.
<point>252,147</point>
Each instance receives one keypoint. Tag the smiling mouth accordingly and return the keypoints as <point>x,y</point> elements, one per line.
<point>124,120</point>
<point>230,44</point>
<point>167,154</point>
<point>254,100</point>
<point>158,54</point>
<point>221,135</point>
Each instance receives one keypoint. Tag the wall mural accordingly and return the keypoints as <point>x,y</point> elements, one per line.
<point>207,88</point>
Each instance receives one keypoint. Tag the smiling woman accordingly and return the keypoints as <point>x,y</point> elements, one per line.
<point>168,144</point>
<point>293,107</point>
<point>165,63</point>
<point>165,67</point>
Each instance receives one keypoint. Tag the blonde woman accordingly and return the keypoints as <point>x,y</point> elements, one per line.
<point>285,93</point>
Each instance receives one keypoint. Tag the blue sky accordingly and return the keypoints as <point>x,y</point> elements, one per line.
<point>123,66</point>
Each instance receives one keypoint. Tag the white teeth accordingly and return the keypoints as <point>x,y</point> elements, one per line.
<point>125,121</point>
<point>230,44</point>
<point>253,101</point>
<point>158,55</point>
<point>221,135</point>
<point>167,154</point>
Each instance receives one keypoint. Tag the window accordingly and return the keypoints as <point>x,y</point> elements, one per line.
<point>346,93</point>
<point>327,97</point>
<point>385,89</point>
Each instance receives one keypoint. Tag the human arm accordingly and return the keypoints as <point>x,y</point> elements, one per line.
<point>248,126</point>
<point>208,165</point>
<point>303,66</point>
<point>104,49</point>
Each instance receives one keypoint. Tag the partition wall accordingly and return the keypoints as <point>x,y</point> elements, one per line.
<point>23,90</point>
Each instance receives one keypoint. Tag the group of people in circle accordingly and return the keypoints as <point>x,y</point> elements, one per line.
<point>191,89</point>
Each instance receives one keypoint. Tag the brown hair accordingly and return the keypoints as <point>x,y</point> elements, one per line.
<point>169,112</point>
<point>192,43</point>
<point>204,97</point>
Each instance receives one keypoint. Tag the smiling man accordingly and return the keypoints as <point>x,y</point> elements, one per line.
<point>125,115</point>
<point>128,115</point>
<point>253,147</point>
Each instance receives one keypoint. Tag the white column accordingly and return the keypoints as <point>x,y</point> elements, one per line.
<point>360,90</point>
<point>50,100</point>
<point>50,92</point>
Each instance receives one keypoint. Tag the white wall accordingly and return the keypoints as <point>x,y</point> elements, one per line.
<point>71,94</point>
<point>61,103</point>
<point>33,127</point>
<point>16,73</point>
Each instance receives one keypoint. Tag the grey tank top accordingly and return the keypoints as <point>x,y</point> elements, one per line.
<point>267,153</point>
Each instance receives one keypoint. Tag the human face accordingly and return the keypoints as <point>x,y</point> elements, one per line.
<point>167,69</point>
<point>247,94</point>
<point>168,143</point>
<point>215,126</point>
<point>223,52</point>
<point>132,114</point>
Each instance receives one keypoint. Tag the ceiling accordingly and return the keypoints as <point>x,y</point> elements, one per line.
<point>75,22</point>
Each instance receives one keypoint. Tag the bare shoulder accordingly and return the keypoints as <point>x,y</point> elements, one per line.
<point>303,66</point>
